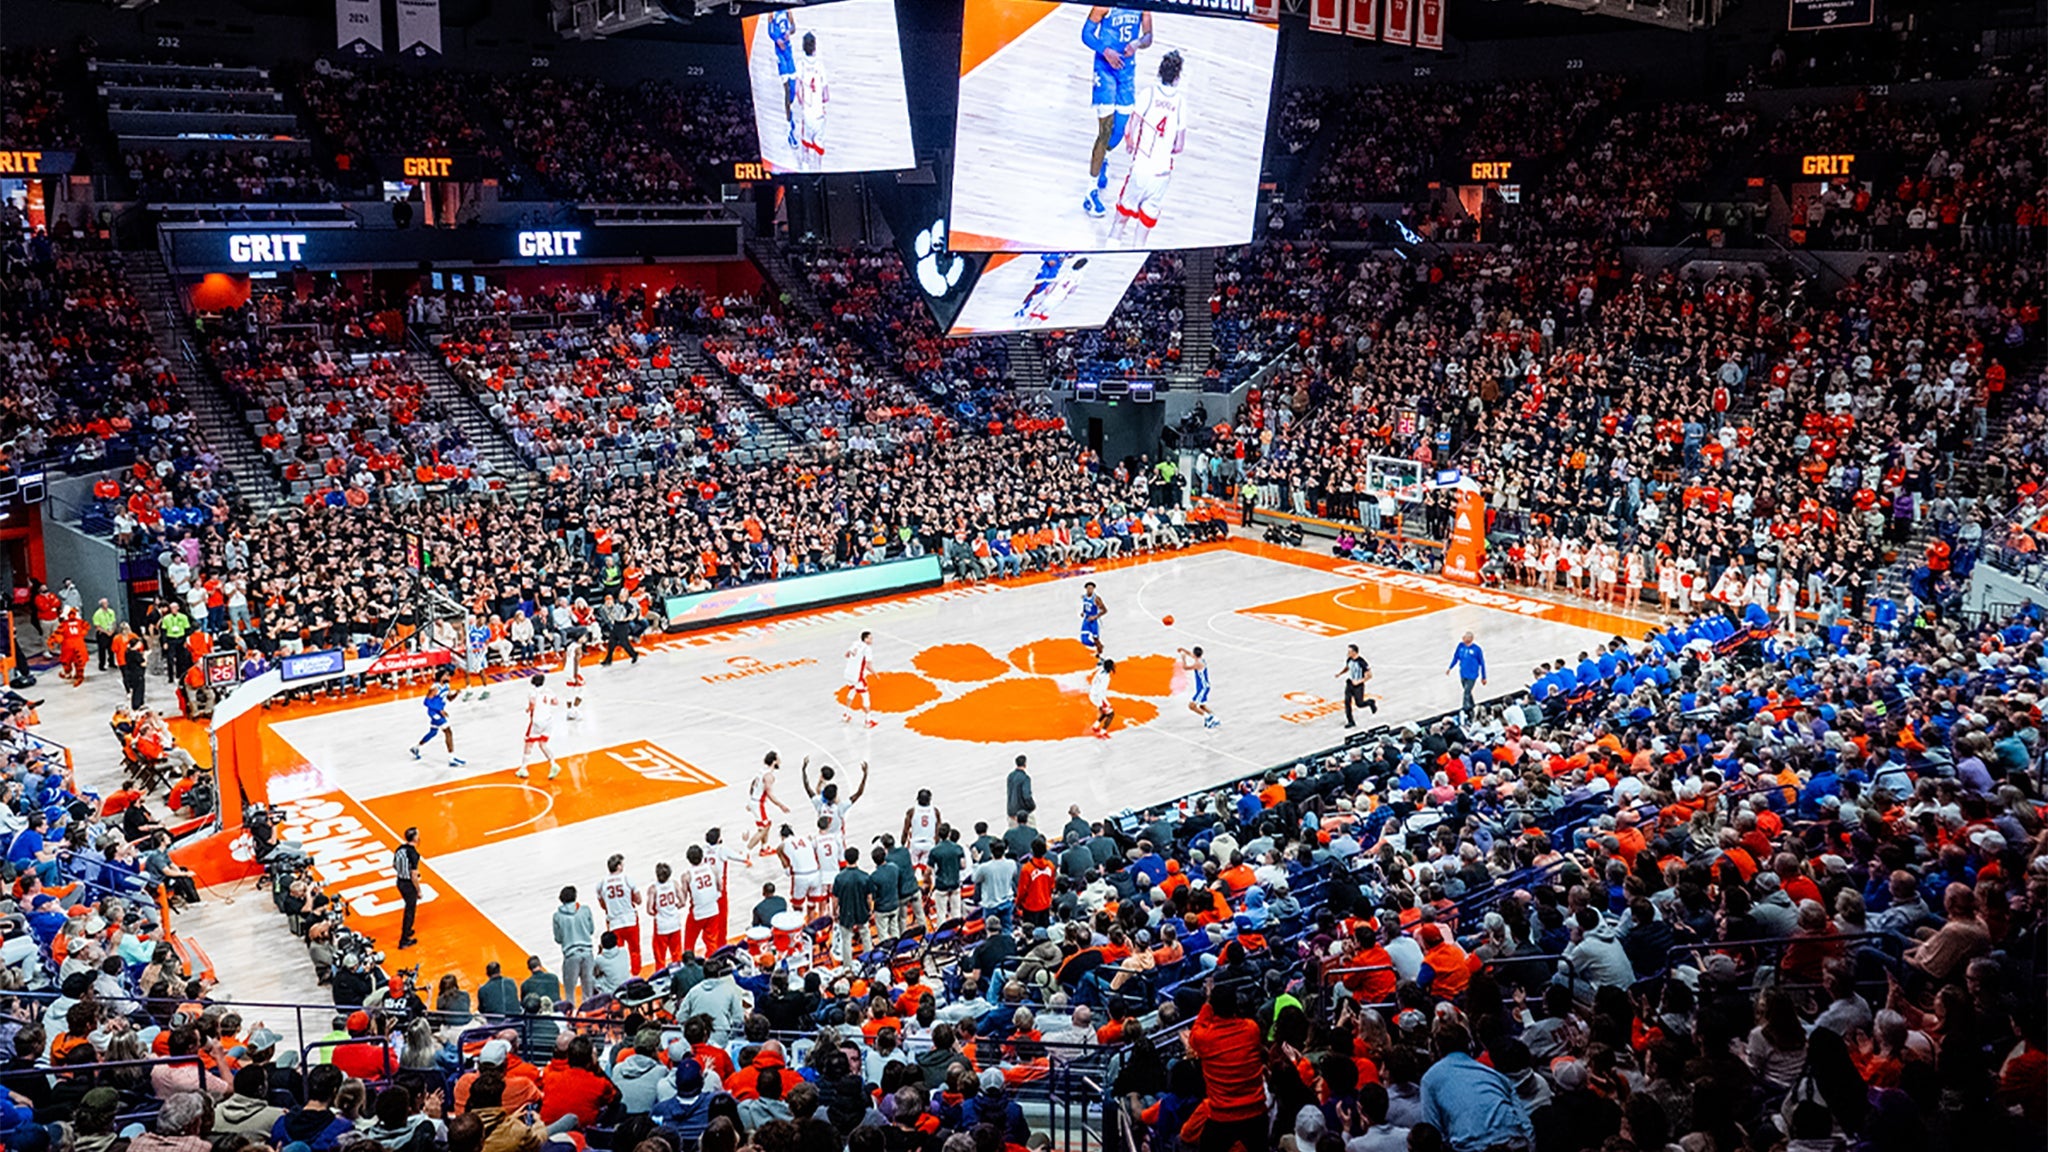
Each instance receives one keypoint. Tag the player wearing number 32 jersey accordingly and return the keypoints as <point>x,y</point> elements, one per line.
<point>1156,135</point>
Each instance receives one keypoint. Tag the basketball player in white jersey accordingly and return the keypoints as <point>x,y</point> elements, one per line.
<point>1040,306</point>
<point>665,903</point>
<point>706,886</point>
<point>541,706</point>
<point>921,830</point>
<point>1156,134</point>
<point>760,794</point>
<point>860,660</point>
<point>830,844</point>
<point>799,853</point>
<point>619,898</point>
<point>813,93</point>
<point>1098,695</point>
<point>825,798</point>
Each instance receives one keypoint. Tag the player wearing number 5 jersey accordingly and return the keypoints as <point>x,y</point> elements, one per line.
<point>1157,134</point>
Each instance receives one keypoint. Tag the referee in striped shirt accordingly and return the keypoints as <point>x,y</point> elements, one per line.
<point>405,866</point>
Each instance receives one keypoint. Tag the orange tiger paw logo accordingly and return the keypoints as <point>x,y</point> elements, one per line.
<point>965,692</point>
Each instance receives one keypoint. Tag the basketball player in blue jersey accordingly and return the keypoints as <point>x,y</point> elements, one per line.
<point>1198,700</point>
<point>782,34</point>
<point>437,721</point>
<point>1049,264</point>
<point>1114,35</point>
<point>1092,612</point>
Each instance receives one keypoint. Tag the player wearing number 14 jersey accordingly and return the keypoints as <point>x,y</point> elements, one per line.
<point>1157,133</point>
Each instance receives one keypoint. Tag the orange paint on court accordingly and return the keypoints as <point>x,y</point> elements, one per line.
<point>991,25</point>
<point>893,692</point>
<point>351,848</point>
<point>1053,657</point>
<point>1346,610</point>
<point>490,806</point>
<point>965,663</point>
<point>1145,675</point>
<point>1022,708</point>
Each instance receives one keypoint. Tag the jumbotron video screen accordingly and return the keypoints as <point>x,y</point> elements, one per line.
<point>827,82</point>
<point>1039,291</point>
<point>1096,128</point>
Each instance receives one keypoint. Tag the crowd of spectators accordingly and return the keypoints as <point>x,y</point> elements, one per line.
<point>1142,337</point>
<point>1626,184</point>
<point>86,387</point>
<point>226,174</point>
<point>584,140</point>
<point>32,112</point>
<point>870,294</point>
<point>1949,174</point>
<point>1713,889</point>
<point>336,408</point>
<point>365,111</point>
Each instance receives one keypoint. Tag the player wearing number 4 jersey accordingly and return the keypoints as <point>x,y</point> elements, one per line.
<point>1157,133</point>
<point>760,794</point>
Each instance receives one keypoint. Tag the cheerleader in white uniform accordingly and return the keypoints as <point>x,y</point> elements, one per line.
<point>1632,580</point>
<point>1668,582</point>
<point>1788,601</point>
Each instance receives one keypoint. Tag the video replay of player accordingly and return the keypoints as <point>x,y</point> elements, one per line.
<point>1094,128</point>
<point>828,90</point>
<point>1042,291</point>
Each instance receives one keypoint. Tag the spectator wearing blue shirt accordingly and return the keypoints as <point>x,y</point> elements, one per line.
<point>28,851</point>
<point>1469,662</point>
<point>1473,1106</point>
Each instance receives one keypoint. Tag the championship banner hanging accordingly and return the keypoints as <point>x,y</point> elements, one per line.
<point>359,27</point>
<point>1429,29</point>
<point>1265,11</point>
<point>1326,15</point>
<point>1363,21</point>
<point>419,27</point>
<point>1400,26</point>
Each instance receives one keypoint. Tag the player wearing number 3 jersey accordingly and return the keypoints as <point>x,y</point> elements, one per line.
<point>1157,133</point>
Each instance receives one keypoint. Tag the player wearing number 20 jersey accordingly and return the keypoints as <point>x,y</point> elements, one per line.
<point>1157,134</point>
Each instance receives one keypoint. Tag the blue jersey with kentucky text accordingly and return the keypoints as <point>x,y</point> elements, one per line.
<point>437,705</point>
<point>782,33</point>
<point>1091,615</point>
<point>1201,694</point>
<point>1117,87</point>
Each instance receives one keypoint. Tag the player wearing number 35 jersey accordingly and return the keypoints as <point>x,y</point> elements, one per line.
<point>1157,133</point>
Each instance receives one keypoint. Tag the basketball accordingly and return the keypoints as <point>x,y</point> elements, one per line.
<point>1167,620</point>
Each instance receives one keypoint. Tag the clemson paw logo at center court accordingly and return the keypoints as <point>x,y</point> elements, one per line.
<point>965,692</point>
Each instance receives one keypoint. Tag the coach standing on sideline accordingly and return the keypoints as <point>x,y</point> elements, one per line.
<point>1017,798</point>
<point>405,866</point>
<point>1469,661</point>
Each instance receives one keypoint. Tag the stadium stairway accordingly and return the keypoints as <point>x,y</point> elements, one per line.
<point>1197,331</point>
<point>221,421</point>
<point>500,457</point>
<point>784,276</point>
<point>1027,362</point>
<point>773,436</point>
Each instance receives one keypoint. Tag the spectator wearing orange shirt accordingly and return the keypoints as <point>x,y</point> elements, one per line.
<point>1233,1059</point>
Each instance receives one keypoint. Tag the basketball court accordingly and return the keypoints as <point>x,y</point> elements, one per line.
<point>969,677</point>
